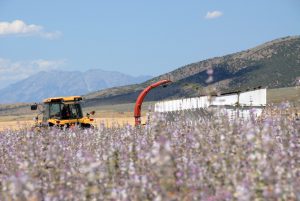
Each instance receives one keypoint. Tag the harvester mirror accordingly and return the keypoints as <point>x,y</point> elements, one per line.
<point>33,107</point>
<point>91,113</point>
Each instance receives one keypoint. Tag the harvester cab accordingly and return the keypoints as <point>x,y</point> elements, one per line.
<point>62,112</point>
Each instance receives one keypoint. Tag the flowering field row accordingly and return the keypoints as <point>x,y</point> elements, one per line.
<point>205,158</point>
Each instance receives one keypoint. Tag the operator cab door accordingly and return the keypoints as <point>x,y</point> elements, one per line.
<point>55,110</point>
<point>46,112</point>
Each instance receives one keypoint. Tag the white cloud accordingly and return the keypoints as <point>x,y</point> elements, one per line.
<point>213,14</point>
<point>20,28</point>
<point>13,71</point>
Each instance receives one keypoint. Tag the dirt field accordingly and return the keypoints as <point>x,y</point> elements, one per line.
<point>107,121</point>
<point>108,115</point>
<point>17,115</point>
<point>15,125</point>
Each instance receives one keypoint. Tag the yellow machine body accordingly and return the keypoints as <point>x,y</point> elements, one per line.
<point>64,112</point>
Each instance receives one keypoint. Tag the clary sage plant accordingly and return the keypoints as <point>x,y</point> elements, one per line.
<point>174,157</point>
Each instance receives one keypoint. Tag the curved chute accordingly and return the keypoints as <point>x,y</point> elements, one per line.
<point>140,99</point>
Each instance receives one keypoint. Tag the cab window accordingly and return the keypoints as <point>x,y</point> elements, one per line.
<point>46,115</point>
<point>71,111</point>
<point>76,108</point>
<point>54,110</point>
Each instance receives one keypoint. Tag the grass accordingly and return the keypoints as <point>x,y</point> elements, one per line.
<point>291,94</point>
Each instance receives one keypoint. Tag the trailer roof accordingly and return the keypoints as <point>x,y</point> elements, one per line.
<point>62,99</point>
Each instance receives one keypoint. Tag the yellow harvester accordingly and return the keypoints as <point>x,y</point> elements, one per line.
<point>63,112</point>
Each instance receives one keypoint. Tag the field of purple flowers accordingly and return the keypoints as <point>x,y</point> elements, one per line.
<point>204,159</point>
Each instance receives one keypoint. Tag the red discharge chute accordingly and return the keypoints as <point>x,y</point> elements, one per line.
<point>140,99</point>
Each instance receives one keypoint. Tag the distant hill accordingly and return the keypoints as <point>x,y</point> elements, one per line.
<point>273,64</point>
<point>64,83</point>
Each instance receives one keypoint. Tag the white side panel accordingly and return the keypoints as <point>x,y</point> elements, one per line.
<point>225,100</point>
<point>157,107</point>
<point>250,98</point>
<point>233,113</point>
<point>189,104</point>
<point>203,102</point>
<point>179,104</point>
<point>253,98</point>
<point>172,106</point>
<point>183,104</point>
<point>165,107</point>
<point>194,103</point>
<point>168,106</point>
<point>161,106</point>
<point>176,105</point>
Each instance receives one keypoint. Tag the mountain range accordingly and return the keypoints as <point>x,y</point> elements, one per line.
<point>273,64</point>
<point>64,83</point>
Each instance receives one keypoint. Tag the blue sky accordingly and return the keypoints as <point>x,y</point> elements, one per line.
<point>133,36</point>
